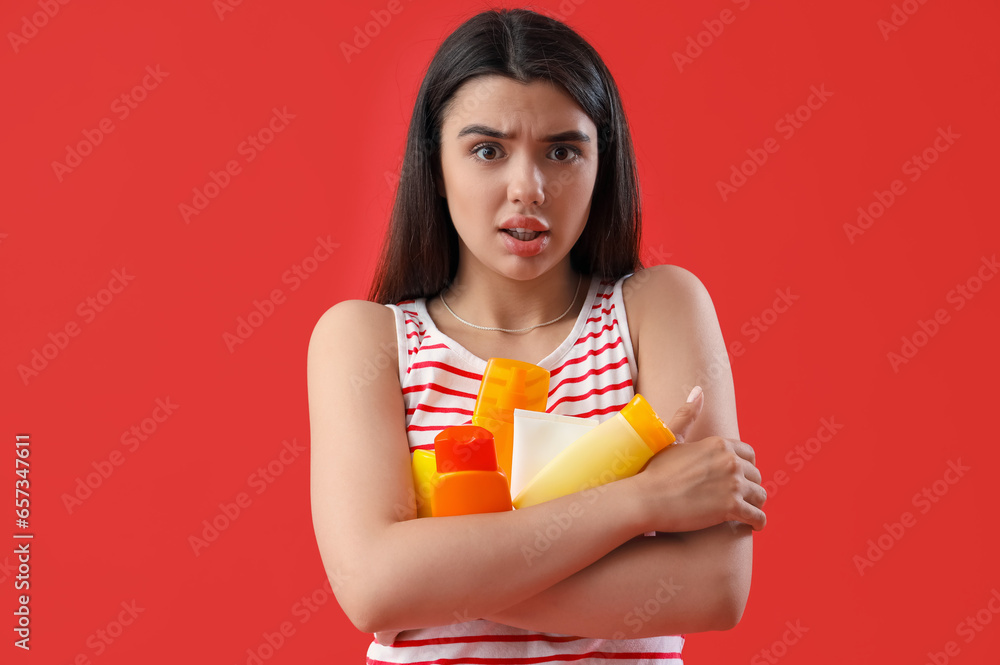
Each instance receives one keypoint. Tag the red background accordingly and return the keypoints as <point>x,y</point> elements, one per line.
<point>330,173</point>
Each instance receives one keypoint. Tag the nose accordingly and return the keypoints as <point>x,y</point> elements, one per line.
<point>527,182</point>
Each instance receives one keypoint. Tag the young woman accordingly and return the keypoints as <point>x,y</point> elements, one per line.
<point>515,234</point>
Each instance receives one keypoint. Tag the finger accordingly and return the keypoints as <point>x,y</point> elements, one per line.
<point>745,450</point>
<point>751,472</point>
<point>757,496</point>
<point>683,419</point>
<point>749,514</point>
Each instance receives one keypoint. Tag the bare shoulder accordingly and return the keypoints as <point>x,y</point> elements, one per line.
<point>656,293</point>
<point>365,314</point>
<point>367,328</point>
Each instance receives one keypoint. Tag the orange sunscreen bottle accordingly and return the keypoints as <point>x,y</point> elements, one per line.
<point>425,481</point>
<point>469,480</point>
<point>617,448</point>
<point>508,385</point>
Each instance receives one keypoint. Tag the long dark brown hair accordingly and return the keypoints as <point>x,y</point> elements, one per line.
<point>419,255</point>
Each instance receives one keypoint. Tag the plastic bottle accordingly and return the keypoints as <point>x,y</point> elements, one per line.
<point>507,385</point>
<point>469,479</point>
<point>425,480</point>
<point>617,448</point>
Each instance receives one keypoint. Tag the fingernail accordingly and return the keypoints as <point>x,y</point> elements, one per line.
<point>694,394</point>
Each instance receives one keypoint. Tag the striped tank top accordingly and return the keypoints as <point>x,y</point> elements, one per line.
<point>592,374</point>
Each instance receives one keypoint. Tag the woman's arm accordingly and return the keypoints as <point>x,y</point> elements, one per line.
<point>647,587</point>
<point>397,572</point>
<point>680,345</point>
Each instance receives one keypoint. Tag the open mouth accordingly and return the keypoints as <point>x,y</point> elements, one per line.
<point>522,234</point>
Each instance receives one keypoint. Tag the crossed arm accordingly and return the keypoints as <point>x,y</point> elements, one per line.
<point>696,581</point>
<point>670,584</point>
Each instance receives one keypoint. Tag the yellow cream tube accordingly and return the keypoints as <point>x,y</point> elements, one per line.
<point>617,448</point>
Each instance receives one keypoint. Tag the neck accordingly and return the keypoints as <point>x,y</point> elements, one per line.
<point>493,300</point>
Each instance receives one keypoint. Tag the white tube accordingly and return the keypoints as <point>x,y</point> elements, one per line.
<point>538,438</point>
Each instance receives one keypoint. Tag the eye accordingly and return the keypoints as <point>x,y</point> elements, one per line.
<point>575,153</point>
<point>490,148</point>
<point>489,152</point>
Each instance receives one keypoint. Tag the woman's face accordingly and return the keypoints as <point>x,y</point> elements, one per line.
<point>512,149</point>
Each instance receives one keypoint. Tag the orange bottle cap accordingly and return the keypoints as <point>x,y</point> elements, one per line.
<point>465,448</point>
<point>644,421</point>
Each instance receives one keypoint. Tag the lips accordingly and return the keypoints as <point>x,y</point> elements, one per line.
<point>534,244</point>
<point>522,223</point>
<point>523,228</point>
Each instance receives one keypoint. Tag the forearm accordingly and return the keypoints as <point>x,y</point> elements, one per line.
<point>668,585</point>
<point>434,571</point>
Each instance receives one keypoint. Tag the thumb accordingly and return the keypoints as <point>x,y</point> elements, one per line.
<point>685,416</point>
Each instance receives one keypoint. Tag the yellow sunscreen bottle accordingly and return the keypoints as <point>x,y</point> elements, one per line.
<point>617,448</point>
<point>425,481</point>
<point>508,385</point>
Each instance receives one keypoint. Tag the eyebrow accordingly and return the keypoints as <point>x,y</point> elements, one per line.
<point>571,135</point>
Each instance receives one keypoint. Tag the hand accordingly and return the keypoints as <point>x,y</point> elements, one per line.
<point>694,485</point>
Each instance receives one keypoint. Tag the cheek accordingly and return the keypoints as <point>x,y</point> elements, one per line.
<point>579,189</point>
<point>471,198</point>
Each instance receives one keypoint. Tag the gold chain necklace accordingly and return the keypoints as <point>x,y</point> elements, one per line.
<point>559,318</point>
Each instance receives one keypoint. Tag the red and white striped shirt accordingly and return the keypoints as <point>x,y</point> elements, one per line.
<point>592,374</point>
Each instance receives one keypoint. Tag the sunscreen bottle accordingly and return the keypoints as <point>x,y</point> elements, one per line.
<point>425,480</point>
<point>469,479</point>
<point>507,385</point>
<point>617,448</point>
